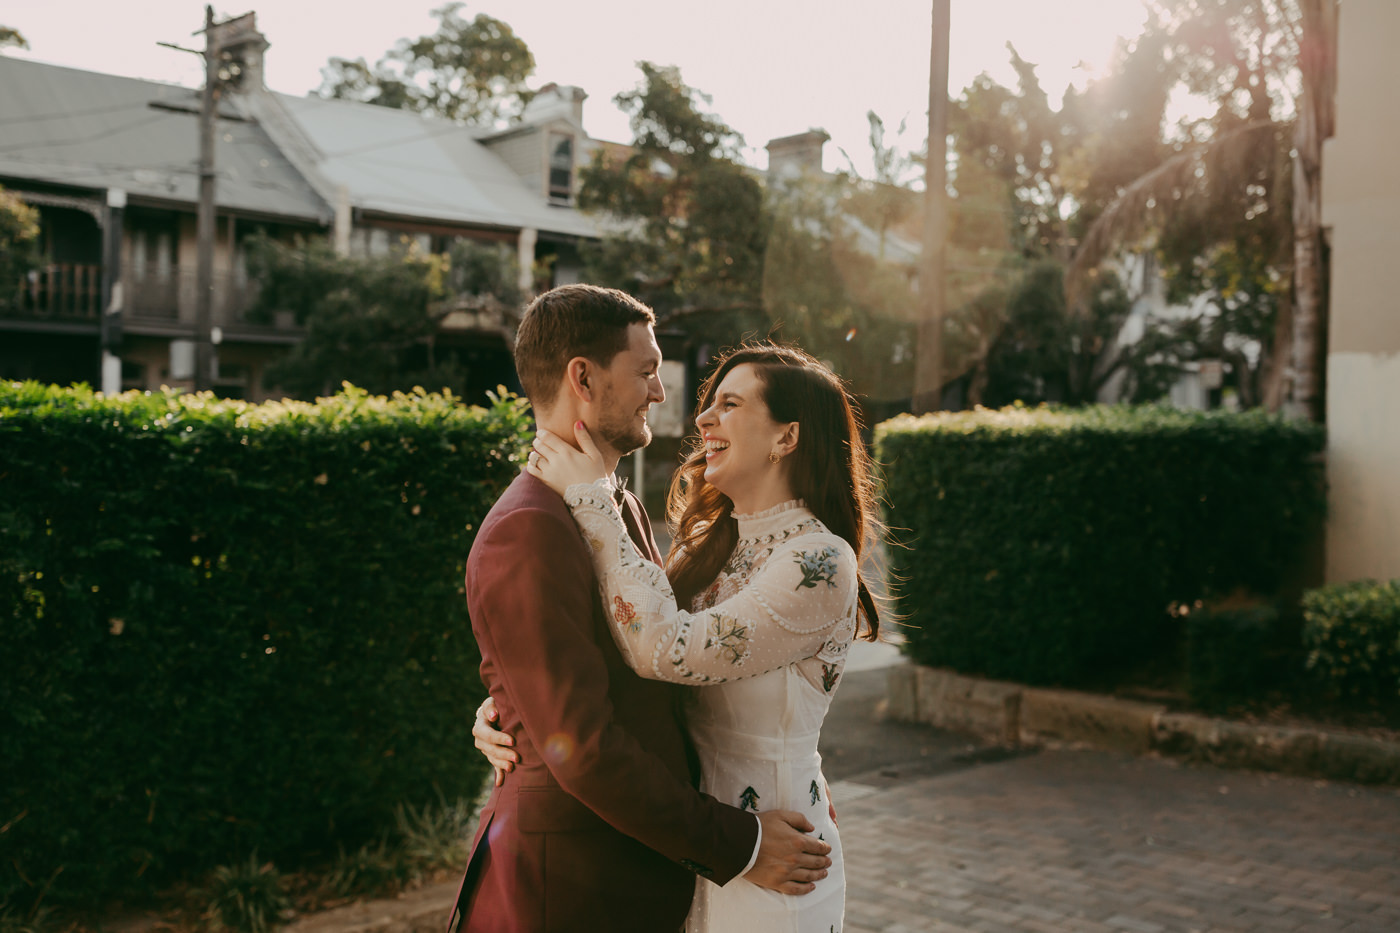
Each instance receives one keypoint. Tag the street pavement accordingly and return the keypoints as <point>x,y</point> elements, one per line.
<point>945,836</point>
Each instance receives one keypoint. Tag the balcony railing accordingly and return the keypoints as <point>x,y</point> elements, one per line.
<point>152,292</point>
<point>169,293</point>
<point>61,291</point>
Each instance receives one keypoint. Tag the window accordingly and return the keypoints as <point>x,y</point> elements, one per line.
<point>561,169</point>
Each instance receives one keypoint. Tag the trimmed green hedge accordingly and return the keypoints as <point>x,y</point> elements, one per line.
<point>1045,545</point>
<point>1235,655</point>
<point>1352,633</point>
<point>231,628</point>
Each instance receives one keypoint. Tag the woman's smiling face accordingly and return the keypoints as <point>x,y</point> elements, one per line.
<point>739,434</point>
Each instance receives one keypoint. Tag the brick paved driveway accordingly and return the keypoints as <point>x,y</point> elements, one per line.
<point>1068,840</point>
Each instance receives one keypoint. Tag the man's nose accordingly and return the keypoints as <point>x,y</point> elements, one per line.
<point>658,390</point>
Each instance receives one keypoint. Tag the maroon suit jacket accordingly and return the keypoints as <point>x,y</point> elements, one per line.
<point>599,825</point>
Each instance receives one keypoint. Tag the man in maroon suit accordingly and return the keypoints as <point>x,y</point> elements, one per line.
<point>599,826</point>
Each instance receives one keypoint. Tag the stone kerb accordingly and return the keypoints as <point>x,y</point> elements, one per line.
<point>1103,722</point>
<point>1011,714</point>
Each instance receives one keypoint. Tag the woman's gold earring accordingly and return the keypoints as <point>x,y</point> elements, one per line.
<point>774,456</point>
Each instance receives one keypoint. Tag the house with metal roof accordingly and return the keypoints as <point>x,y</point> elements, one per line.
<point>111,163</point>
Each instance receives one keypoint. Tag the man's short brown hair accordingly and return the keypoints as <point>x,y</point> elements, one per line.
<point>570,321</point>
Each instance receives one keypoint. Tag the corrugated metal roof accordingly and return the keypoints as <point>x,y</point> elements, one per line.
<point>66,126</point>
<point>401,163</point>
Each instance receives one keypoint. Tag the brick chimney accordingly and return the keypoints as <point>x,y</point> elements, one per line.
<point>242,48</point>
<point>556,100</point>
<point>792,155</point>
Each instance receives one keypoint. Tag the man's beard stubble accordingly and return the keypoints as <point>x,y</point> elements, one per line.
<point>622,434</point>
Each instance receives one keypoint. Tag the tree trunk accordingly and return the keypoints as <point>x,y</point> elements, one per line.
<point>1317,60</point>
<point>1274,368</point>
<point>1244,378</point>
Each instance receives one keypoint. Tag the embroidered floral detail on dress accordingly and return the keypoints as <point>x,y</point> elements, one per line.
<point>807,524</point>
<point>729,638</point>
<point>817,568</point>
<point>815,792</point>
<point>625,614</point>
<point>829,675</point>
<point>741,561</point>
<point>748,800</point>
<point>677,656</point>
<point>708,597</point>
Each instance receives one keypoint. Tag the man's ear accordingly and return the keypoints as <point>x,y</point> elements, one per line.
<point>787,443</point>
<point>579,376</point>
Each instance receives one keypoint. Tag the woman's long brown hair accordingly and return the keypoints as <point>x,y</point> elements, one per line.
<point>830,469</point>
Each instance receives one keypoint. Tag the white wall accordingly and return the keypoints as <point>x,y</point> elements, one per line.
<point>1361,203</point>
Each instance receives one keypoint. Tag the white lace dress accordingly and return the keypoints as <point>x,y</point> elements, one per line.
<point>768,642</point>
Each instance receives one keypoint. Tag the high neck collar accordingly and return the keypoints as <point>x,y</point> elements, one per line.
<point>770,521</point>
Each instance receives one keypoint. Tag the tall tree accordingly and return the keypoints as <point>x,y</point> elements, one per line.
<point>839,284</point>
<point>19,244</point>
<point>1025,174</point>
<point>1043,353</point>
<point>686,221</point>
<point>374,321</point>
<point>1236,208</point>
<point>472,71</point>
<point>1317,60</point>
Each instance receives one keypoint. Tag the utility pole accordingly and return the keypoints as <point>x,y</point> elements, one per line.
<point>928,359</point>
<point>204,223</point>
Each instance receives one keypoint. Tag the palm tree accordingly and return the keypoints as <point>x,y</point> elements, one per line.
<point>1221,167</point>
<point>1317,61</point>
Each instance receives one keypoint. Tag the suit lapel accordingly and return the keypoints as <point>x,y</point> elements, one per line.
<point>632,518</point>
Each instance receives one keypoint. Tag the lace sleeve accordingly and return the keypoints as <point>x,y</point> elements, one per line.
<point>786,612</point>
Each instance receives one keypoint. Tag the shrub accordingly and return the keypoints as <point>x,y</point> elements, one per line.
<point>1045,545</point>
<point>1352,633</point>
<point>371,870</point>
<point>245,898</point>
<point>436,834</point>
<point>231,627</point>
<point>35,920</point>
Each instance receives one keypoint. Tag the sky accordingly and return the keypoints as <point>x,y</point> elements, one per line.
<point>771,67</point>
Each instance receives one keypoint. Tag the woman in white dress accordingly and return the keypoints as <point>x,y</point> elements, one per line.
<point>771,514</point>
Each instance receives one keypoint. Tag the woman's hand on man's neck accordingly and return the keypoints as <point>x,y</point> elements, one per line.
<point>559,421</point>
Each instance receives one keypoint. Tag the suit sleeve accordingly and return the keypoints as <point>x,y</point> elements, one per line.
<point>532,604</point>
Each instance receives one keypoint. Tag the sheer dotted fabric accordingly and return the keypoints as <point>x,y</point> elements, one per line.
<point>767,643</point>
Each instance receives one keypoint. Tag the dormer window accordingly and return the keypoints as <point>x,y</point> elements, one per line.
<point>561,169</point>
